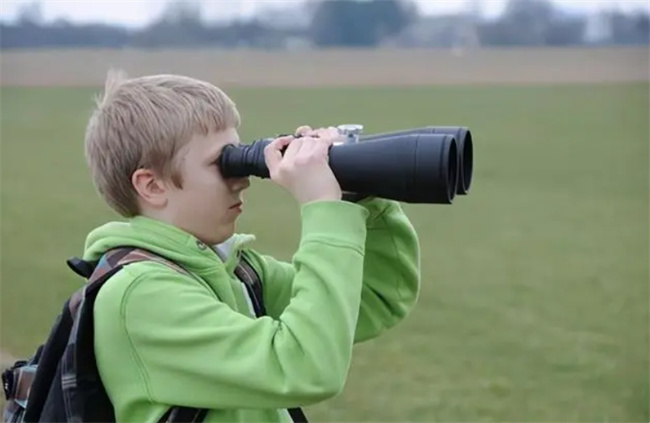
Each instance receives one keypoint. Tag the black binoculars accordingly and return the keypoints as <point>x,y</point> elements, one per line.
<point>428,165</point>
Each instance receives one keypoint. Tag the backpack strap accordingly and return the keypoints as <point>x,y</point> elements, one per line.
<point>249,277</point>
<point>115,259</point>
<point>123,256</point>
<point>183,414</point>
<point>83,391</point>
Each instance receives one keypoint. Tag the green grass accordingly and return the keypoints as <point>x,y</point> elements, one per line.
<point>534,302</point>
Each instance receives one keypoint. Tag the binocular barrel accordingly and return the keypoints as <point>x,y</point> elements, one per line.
<point>463,137</point>
<point>425,165</point>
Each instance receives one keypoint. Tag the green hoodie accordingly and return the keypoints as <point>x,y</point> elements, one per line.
<point>163,338</point>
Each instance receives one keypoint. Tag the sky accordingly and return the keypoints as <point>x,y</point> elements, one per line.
<point>134,13</point>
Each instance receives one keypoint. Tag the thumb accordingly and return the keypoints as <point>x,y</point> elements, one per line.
<point>273,151</point>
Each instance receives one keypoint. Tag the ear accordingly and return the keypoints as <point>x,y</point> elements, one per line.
<point>150,188</point>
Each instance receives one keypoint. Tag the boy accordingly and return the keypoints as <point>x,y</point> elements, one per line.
<point>163,338</point>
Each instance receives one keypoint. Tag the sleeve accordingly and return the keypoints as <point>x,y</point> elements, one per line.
<point>200,353</point>
<point>391,271</point>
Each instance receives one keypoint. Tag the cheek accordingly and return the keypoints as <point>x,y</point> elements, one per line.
<point>210,183</point>
<point>203,178</point>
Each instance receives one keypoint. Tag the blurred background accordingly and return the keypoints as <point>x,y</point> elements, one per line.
<point>534,303</point>
<point>299,24</point>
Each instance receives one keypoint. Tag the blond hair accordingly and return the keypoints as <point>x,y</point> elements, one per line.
<point>143,122</point>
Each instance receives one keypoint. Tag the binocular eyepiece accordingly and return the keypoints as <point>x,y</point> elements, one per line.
<point>427,165</point>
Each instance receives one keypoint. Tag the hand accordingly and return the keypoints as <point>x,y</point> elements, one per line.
<point>330,132</point>
<point>304,168</point>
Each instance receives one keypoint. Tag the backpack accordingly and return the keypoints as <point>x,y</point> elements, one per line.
<point>60,382</point>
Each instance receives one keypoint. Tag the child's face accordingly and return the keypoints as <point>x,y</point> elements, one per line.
<point>207,205</point>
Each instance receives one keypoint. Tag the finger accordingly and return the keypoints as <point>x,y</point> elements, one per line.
<point>294,149</point>
<point>329,132</point>
<point>315,147</point>
<point>325,132</point>
<point>311,145</point>
<point>310,148</point>
<point>324,146</point>
<point>303,130</point>
<point>329,142</point>
<point>281,142</point>
<point>273,151</point>
<point>333,132</point>
<point>313,133</point>
<point>332,139</point>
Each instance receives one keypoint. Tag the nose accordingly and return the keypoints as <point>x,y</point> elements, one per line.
<point>240,184</point>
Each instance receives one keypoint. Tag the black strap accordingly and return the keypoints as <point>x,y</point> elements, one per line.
<point>183,415</point>
<point>81,267</point>
<point>245,272</point>
<point>297,415</point>
<point>253,284</point>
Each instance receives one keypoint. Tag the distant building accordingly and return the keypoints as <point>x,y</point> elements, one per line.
<point>451,31</point>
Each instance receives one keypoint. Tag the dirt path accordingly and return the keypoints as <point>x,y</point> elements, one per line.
<point>404,67</point>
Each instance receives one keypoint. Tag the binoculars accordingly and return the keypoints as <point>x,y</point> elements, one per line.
<point>428,165</point>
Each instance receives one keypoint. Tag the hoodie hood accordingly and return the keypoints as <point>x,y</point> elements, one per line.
<point>166,240</point>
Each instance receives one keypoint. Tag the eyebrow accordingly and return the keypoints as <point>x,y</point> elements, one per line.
<point>215,154</point>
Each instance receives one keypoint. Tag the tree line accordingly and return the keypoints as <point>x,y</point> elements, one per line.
<point>341,23</point>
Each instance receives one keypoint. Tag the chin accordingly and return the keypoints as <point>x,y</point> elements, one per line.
<point>218,238</point>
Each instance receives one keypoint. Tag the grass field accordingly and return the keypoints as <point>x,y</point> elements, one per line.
<point>534,304</point>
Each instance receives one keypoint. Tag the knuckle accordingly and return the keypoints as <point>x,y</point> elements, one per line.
<point>303,129</point>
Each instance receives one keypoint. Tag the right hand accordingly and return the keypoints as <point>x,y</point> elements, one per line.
<point>304,168</point>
